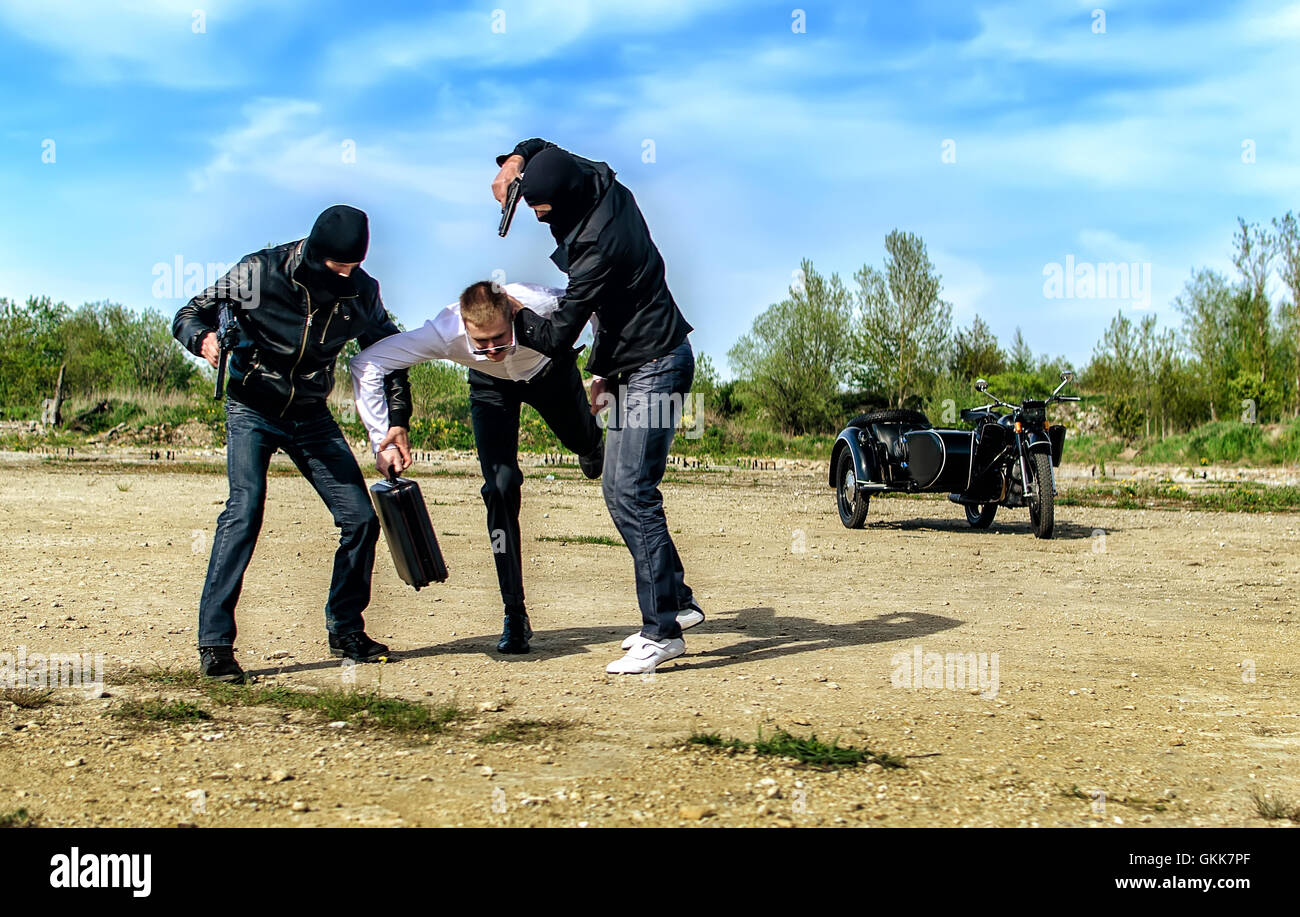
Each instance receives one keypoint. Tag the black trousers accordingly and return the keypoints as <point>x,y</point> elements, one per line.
<point>558,396</point>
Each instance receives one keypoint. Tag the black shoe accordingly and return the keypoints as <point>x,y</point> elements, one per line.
<point>593,461</point>
<point>515,633</point>
<point>218,663</point>
<point>357,647</point>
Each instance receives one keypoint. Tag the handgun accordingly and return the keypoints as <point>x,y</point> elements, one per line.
<point>227,338</point>
<point>508,206</point>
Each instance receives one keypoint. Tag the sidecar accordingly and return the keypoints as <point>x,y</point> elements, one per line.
<point>896,450</point>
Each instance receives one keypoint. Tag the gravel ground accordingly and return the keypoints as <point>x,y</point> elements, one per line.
<point>1139,668</point>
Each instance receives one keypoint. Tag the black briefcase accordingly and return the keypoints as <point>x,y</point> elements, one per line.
<point>408,531</point>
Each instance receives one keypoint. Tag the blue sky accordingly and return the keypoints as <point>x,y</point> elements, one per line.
<point>770,145</point>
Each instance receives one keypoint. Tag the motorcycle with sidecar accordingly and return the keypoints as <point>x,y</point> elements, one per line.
<point>1007,458</point>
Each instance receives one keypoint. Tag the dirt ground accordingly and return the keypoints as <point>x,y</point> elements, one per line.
<point>1145,661</point>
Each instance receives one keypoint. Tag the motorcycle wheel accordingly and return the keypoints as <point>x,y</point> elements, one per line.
<point>1042,506</point>
<point>851,504</point>
<point>981,517</point>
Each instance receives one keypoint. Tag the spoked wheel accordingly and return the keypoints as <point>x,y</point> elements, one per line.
<point>851,504</point>
<point>981,516</point>
<point>1042,505</point>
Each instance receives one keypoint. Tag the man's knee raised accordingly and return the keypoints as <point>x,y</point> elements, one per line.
<point>503,482</point>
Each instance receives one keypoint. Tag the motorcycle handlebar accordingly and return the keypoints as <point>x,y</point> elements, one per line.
<point>999,403</point>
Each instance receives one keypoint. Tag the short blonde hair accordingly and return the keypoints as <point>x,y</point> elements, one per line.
<point>482,302</point>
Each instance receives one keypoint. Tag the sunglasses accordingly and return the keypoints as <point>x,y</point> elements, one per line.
<point>488,351</point>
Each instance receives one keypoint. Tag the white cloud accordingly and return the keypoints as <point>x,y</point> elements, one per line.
<point>294,144</point>
<point>150,40</point>
<point>487,39</point>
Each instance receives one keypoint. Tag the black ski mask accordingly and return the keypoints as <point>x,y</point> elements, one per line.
<point>554,177</point>
<point>341,233</point>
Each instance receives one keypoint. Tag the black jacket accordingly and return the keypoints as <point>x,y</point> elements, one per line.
<point>290,339</point>
<point>615,271</point>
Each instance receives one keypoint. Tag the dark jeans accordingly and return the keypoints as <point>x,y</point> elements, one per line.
<point>559,397</point>
<point>642,423</point>
<point>317,447</point>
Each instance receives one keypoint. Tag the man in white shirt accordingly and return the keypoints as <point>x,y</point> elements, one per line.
<point>477,332</point>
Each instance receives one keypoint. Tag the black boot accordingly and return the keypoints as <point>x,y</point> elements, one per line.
<point>218,663</point>
<point>515,633</point>
<point>357,647</point>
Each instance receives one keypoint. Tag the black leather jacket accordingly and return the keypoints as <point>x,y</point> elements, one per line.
<point>615,270</point>
<point>284,362</point>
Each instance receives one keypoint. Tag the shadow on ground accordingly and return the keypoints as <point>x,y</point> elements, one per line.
<point>763,635</point>
<point>1063,531</point>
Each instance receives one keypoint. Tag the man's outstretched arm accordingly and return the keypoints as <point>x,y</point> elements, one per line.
<point>393,396</point>
<point>382,359</point>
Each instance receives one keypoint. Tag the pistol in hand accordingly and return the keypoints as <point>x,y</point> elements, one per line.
<point>508,206</point>
<point>227,338</point>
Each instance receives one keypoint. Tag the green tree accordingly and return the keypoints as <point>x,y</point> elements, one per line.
<point>904,323</point>
<point>95,363</point>
<point>31,349</point>
<point>796,352</point>
<point>1253,256</point>
<point>1206,306</point>
<point>1286,237</point>
<point>1114,372</point>
<point>158,363</point>
<point>1021,357</point>
<point>976,353</point>
<point>707,379</point>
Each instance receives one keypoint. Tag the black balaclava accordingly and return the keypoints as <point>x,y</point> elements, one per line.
<point>554,177</point>
<point>341,233</point>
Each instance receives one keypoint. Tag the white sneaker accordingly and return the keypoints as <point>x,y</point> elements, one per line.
<point>646,655</point>
<point>687,618</point>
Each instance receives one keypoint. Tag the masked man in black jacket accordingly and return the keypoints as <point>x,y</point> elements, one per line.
<point>641,357</point>
<point>296,305</point>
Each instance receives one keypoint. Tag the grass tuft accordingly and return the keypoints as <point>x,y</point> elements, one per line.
<point>1275,807</point>
<point>582,539</point>
<point>19,818</point>
<point>26,698</point>
<point>159,710</point>
<point>809,751</point>
<point>366,708</point>
<point>1234,497</point>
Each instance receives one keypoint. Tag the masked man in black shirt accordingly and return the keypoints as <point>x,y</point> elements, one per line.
<point>641,358</point>
<point>296,305</point>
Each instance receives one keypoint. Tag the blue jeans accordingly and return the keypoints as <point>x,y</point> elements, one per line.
<point>642,423</point>
<point>317,447</point>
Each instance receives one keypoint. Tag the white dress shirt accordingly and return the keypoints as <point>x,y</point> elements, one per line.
<point>442,337</point>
